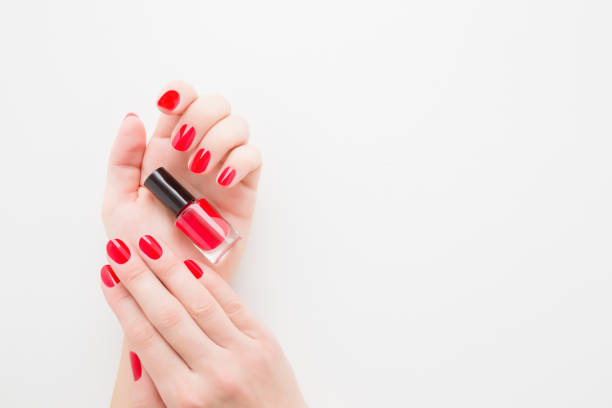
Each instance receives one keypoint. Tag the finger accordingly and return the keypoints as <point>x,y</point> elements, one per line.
<point>174,98</point>
<point>162,309</point>
<point>144,393</point>
<point>123,175</point>
<point>161,361</point>
<point>201,115</point>
<point>229,301</point>
<point>242,164</point>
<point>229,133</point>
<point>200,304</point>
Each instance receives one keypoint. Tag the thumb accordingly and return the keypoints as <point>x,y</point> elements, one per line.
<point>124,164</point>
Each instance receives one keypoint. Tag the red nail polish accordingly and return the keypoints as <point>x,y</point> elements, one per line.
<point>118,251</point>
<point>198,219</point>
<point>183,137</point>
<point>200,161</point>
<point>150,247</point>
<point>136,366</point>
<point>194,268</point>
<point>108,276</point>
<point>169,100</point>
<point>226,177</point>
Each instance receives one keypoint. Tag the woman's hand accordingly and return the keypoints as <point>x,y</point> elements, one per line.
<point>200,142</point>
<point>193,342</point>
<point>197,139</point>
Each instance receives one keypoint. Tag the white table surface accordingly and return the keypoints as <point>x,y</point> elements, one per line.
<point>434,222</point>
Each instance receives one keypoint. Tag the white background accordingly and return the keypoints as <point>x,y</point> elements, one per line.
<point>433,227</point>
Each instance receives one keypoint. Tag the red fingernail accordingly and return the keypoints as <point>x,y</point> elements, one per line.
<point>200,161</point>
<point>169,100</point>
<point>136,367</point>
<point>226,177</point>
<point>130,114</point>
<point>194,268</point>
<point>150,247</point>
<point>108,276</point>
<point>118,251</point>
<point>183,137</point>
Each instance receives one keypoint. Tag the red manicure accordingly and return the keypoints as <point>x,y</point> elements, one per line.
<point>183,138</point>
<point>169,100</point>
<point>108,276</point>
<point>200,161</point>
<point>136,367</point>
<point>227,176</point>
<point>194,268</point>
<point>118,251</point>
<point>150,247</point>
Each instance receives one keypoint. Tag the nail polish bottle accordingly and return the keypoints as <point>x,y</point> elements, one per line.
<point>197,218</point>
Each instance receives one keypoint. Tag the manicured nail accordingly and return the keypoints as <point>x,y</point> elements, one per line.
<point>108,276</point>
<point>169,100</point>
<point>136,366</point>
<point>118,251</point>
<point>194,268</point>
<point>226,177</point>
<point>150,247</point>
<point>130,114</point>
<point>183,137</point>
<point>200,161</point>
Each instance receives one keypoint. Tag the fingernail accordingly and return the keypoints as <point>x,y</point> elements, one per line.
<point>130,114</point>
<point>169,100</point>
<point>136,367</point>
<point>226,177</point>
<point>183,137</point>
<point>194,268</point>
<point>108,276</point>
<point>200,161</point>
<point>118,251</point>
<point>150,247</point>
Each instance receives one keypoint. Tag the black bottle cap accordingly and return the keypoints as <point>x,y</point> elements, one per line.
<point>168,190</point>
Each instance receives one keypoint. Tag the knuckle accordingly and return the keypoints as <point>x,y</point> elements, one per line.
<point>259,360</point>
<point>256,156</point>
<point>228,385</point>
<point>167,271</point>
<point>132,275</point>
<point>215,103</point>
<point>188,401</point>
<point>234,308</point>
<point>264,355</point>
<point>240,126</point>
<point>202,310</point>
<point>169,317</point>
<point>187,397</point>
<point>141,334</point>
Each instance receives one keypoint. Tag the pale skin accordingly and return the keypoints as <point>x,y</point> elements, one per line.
<point>198,345</point>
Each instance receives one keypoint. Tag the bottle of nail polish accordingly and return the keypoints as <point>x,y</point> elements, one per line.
<point>198,219</point>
